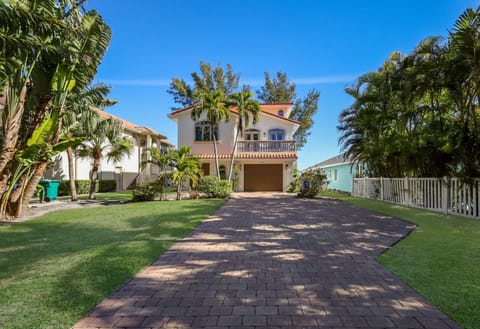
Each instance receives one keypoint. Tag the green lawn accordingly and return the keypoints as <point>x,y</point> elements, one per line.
<point>56,268</point>
<point>440,259</point>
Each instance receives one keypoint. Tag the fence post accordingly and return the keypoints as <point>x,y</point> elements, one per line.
<point>445,194</point>
<point>364,187</point>
<point>381,188</point>
<point>406,192</point>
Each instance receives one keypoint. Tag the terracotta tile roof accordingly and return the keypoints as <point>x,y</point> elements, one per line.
<point>250,156</point>
<point>131,126</point>
<point>269,109</point>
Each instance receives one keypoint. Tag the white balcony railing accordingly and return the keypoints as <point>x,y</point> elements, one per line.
<point>266,146</point>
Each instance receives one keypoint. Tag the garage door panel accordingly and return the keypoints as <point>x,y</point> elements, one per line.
<point>263,177</point>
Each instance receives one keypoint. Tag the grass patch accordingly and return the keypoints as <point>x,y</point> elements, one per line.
<point>56,268</point>
<point>440,259</point>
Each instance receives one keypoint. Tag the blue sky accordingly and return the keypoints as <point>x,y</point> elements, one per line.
<point>320,44</point>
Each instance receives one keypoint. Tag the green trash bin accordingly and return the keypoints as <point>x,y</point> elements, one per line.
<point>50,189</point>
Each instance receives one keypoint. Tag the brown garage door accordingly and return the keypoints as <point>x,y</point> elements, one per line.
<point>263,177</point>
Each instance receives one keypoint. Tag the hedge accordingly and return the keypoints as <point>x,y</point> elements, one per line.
<point>83,186</point>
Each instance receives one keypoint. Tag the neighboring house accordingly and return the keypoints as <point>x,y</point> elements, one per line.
<point>266,154</point>
<point>340,172</point>
<point>134,169</point>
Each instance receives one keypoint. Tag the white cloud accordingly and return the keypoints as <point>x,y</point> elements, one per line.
<point>345,78</point>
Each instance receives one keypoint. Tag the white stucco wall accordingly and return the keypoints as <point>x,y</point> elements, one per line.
<point>227,131</point>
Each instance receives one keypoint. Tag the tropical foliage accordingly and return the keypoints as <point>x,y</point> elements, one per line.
<point>209,79</point>
<point>281,90</point>
<point>311,183</point>
<point>418,115</point>
<point>277,90</point>
<point>211,105</point>
<point>215,187</point>
<point>247,110</point>
<point>104,139</point>
<point>49,50</point>
<point>187,168</point>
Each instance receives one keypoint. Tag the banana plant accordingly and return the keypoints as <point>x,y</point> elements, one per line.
<point>38,149</point>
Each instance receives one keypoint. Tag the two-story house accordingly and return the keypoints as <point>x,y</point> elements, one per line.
<point>134,169</point>
<point>266,153</point>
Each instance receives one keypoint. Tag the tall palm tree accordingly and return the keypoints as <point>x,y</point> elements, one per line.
<point>80,104</point>
<point>464,78</point>
<point>104,140</point>
<point>185,166</point>
<point>248,110</point>
<point>212,106</point>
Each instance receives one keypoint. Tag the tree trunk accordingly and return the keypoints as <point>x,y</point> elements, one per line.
<point>217,168</point>
<point>232,159</point>
<point>93,179</point>
<point>71,174</point>
<point>19,202</point>
<point>10,131</point>
<point>179,190</point>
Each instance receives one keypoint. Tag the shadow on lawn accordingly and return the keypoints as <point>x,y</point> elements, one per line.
<point>94,250</point>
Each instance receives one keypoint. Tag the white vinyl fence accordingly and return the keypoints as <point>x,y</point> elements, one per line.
<point>448,195</point>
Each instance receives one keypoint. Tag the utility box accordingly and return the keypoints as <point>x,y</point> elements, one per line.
<point>50,189</point>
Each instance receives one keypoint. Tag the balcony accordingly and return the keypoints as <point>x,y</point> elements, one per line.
<point>266,146</point>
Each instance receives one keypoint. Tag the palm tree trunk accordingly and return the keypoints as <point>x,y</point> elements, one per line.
<point>217,168</point>
<point>232,158</point>
<point>179,190</point>
<point>93,179</point>
<point>71,174</point>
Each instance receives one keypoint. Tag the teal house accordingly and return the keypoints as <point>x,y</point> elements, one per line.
<point>339,171</point>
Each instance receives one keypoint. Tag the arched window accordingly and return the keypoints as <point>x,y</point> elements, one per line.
<point>203,131</point>
<point>276,134</point>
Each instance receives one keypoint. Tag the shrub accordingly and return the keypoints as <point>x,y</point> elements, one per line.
<point>214,187</point>
<point>147,191</point>
<point>312,182</point>
<point>83,187</point>
<point>295,183</point>
<point>107,185</point>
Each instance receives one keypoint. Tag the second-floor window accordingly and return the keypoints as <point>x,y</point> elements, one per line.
<point>204,131</point>
<point>252,135</point>
<point>276,134</point>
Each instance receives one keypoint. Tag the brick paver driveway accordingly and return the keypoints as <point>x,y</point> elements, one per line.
<point>276,262</point>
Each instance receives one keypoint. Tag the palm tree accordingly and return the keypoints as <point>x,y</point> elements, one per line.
<point>80,104</point>
<point>212,106</point>
<point>186,167</point>
<point>165,163</point>
<point>247,109</point>
<point>464,79</point>
<point>104,140</point>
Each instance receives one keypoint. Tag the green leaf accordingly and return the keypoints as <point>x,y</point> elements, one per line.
<point>63,145</point>
<point>71,84</point>
<point>39,134</point>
